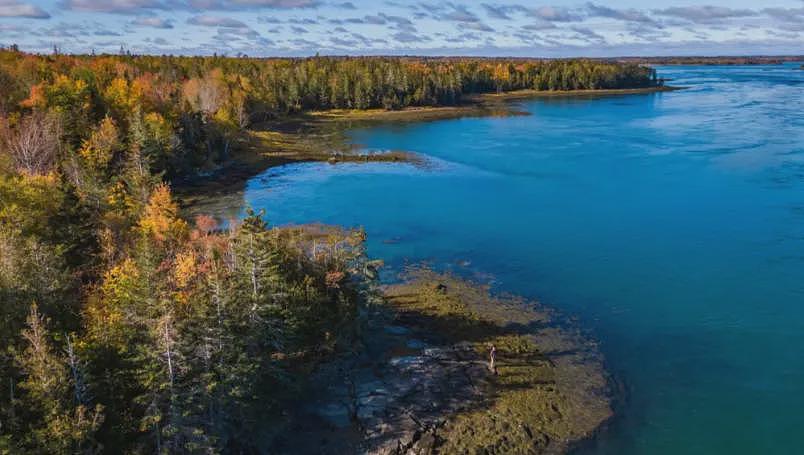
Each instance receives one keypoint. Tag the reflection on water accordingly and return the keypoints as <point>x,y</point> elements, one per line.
<point>671,224</point>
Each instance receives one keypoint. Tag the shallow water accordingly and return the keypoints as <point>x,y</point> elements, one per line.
<point>670,224</point>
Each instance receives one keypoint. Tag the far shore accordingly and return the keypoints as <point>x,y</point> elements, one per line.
<point>471,105</point>
<point>319,136</point>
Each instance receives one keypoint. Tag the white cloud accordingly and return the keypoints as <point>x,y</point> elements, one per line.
<point>153,21</point>
<point>216,21</point>
<point>13,8</point>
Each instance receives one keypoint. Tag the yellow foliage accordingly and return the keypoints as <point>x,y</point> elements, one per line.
<point>186,268</point>
<point>122,95</point>
<point>65,94</point>
<point>118,198</point>
<point>160,220</point>
<point>105,311</point>
<point>29,200</point>
<point>99,149</point>
<point>501,73</point>
<point>158,128</point>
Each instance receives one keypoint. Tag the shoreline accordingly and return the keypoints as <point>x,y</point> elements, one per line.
<point>475,105</point>
<point>418,379</point>
<point>319,136</point>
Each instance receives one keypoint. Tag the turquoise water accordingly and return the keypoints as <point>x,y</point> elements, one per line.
<point>671,225</point>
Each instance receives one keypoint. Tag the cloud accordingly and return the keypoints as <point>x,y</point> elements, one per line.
<point>366,41</point>
<point>408,37</point>
<point>505,11</point>
<point>705,14</point>
<point>539,25</point>
<point>555,14</point>
<point>627,15</point>
<point>157,41</point>
<point>463,26</point>
<point>113,6</point>
<point>378,19</point>
<point>790,19</point>
<point>397,22</point>
<point>104,32</point>
<point>344,42</point>
<point>152,21</point>
<point>588,35</point>
<point>463,37</point>
<point>303,21</point>
<point>13,8</point>
<point>249,4</point>
<point>141,6</point>
<point>400,23</point>
<point>785,14</point>
<point>303,43</point>
<point>499,11</point>
<point>458,13</point>
<point>215,21</point>
<point>479,26</point>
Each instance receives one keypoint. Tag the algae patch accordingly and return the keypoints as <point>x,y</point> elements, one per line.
<point>551,390</point>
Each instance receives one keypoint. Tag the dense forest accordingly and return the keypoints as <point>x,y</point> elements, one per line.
<point>127,328</point>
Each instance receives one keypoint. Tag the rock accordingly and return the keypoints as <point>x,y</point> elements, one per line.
<point>336,414</point>
<point>396,330</point>
<point>423,443</point>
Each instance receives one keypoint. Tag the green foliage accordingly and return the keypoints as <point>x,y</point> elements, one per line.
<point>55,416</point>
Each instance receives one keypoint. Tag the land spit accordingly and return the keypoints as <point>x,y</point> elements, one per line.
<point>418,381</point>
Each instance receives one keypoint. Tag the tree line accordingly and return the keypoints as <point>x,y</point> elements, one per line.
<point>127,328</point>
<point>185,111</point>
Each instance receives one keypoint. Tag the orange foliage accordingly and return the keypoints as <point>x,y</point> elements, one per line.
<point>36,99</point>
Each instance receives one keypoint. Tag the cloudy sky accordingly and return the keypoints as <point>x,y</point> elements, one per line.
<point>461,27</point>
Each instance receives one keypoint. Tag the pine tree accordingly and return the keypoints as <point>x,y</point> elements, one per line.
<point>63,424</point>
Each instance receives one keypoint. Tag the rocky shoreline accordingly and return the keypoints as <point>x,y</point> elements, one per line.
<point>418,381</point>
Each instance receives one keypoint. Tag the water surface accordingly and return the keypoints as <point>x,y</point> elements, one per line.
<point>670,224</point>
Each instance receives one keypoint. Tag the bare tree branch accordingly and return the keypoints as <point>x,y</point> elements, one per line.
<point>34,143</point>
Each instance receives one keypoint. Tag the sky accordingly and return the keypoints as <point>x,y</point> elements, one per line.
<point>557,28</point>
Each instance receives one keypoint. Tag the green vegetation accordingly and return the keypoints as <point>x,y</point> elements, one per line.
<point>550,390</point>
<point>126,328</point>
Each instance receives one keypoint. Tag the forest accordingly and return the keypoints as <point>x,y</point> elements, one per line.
<point>126,328</point>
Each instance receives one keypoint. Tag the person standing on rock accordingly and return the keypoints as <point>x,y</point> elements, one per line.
<point>493,359</point>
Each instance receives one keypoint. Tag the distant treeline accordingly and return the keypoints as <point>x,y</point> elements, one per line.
<point>185,110</point>
<point>716,60</point>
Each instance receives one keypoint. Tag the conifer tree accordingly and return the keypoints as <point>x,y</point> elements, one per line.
<point>64,422</point>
